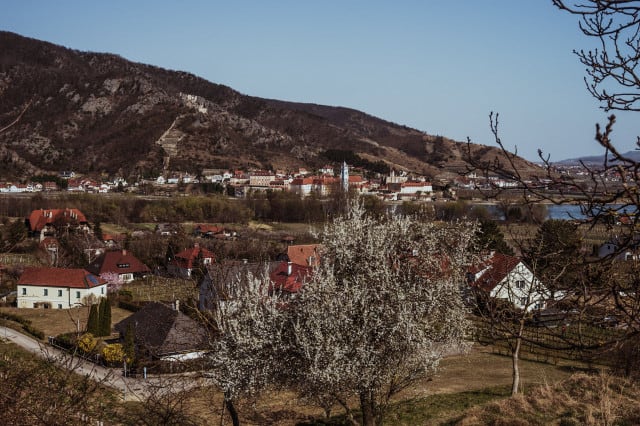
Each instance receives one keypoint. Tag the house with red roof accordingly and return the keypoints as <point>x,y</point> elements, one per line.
<point>113,240</point>
<point>301,186</point>
<point>59,288</point>
<point>288,278</point>
<point>120,262</point>
<point>183,263</point>
<point>210,231</point>
<point>48,222</point>
<point>507,277</point>
<point>304,254</point>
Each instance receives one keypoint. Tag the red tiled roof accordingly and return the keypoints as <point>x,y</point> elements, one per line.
<point>60,277</point>
<point>301,254</point>
<point>493,270</point>
<point>325,180</point>
<point>113,237</point>
<point>302,181</point>
<point>119,262</point>
<point>185,258</point>
<point>290,283</point>
<point>38,219</point>
<point>203,228</point>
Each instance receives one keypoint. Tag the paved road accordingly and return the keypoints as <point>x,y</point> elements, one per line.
<point>132,389</point>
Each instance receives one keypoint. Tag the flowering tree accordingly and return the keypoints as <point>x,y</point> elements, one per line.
<point>114,282</point>
<point>249,353</point>
<point>377,315</point>
<point>381,311</point>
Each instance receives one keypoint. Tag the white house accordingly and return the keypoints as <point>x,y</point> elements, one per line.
<point>620,248</point>
<point>413,188</point>
<point>507,277</point>
<point>301,186</point>
<point>58,288</point>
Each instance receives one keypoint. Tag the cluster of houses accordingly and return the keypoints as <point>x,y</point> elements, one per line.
<point>501,276</point>
<point>305,183</point>
<point>395,186</point>
<point>497,275</point>
<point>301,182</point>
<point>74,184</point>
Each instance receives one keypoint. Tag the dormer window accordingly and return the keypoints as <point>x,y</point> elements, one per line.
<point>123,265</point>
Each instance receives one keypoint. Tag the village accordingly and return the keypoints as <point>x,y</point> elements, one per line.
<point>239,214</point>
<point>158,309</point>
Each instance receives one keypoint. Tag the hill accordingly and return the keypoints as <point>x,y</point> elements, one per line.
<point>99,113</point>
<point>597,160</point>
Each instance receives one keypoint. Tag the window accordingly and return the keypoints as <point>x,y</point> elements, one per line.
<point>206,261</point>
<point>59,293</point>
<point>46,291</point>
<point>59,305</point>
<point>520,284</point>
<point>24,291</point>
<point>523,301</point>
<point>77,295</point>
<point>101,290</point>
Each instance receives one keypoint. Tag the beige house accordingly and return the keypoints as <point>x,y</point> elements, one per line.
<point>58,288</point>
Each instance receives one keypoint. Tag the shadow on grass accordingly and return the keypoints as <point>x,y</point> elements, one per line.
<point>440,409</point>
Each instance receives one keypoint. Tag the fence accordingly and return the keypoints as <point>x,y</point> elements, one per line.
<point>550,344</point>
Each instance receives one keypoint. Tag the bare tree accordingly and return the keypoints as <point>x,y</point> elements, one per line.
<point>601,288</point>
<point>508,294</point>
<point>166,402</point>
<point>612,74</point>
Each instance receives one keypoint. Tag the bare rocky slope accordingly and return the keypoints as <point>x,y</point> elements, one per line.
<point>98,113</point>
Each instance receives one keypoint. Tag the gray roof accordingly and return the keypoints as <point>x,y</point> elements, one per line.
<point>163,330</point>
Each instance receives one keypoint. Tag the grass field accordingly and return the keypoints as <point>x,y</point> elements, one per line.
<point>463,381</point>
<point>53,322</point>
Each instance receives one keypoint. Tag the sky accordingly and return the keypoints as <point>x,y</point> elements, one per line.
<point>437,66</point>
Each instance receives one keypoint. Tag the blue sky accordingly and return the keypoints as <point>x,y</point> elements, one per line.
<point>437,66</point>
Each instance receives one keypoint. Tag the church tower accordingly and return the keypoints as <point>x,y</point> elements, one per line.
<point>344,176</point>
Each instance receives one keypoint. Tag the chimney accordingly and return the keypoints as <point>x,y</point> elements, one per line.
<point>124,252</point>
<point>289,268</point>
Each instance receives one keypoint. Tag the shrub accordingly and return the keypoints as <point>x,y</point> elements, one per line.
<point>113,354</point>
<point>87,343</point>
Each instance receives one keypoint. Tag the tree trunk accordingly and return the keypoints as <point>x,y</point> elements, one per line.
<point>368,408</point>
<point>515,357</point>
<point>228,402</point>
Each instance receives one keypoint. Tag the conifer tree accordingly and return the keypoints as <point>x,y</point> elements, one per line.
<point>104,318</point>
<point>93,321</point>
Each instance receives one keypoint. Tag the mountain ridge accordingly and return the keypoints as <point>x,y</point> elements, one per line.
<point>100,113</point>
<point>597,160</point>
